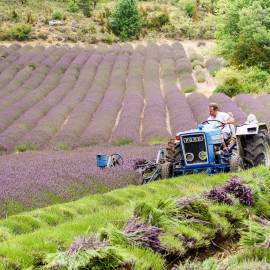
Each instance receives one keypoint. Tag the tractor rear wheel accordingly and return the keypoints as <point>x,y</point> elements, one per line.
<point>173,151</point>
<point>257,150</point>
<point>166,170</point>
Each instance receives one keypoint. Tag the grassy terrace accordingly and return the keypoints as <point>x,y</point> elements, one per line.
<point>27,236</point>
<point>45,230</point>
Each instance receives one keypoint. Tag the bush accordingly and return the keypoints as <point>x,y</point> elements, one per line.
<point>58,15</point>
<point>21,32</point>
<point>231,87</point>
<point>73,6</point>
<point>188,6</point>
<point>158,20</point>
<point>126,20</point>
<point>87,7</point>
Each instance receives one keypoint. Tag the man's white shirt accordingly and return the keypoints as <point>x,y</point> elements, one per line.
<point>222,117</point>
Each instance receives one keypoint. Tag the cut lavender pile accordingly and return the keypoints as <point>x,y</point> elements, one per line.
<point>234,187</point>
<point>144,234</point>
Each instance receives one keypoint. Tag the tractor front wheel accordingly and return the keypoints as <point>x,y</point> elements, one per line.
<point>166,170</point>
<point>236,163</point>
<point>257,150</point>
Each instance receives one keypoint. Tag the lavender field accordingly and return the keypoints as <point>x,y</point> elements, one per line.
<point>36,179</point>
<point>65,98</point>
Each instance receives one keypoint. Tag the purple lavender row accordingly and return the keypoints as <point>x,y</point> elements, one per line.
<point>154,118</point>
<point>199,106</point>
<point>49,124</point>
<point>13,91</point>
<point>11,69</point>
<point>102,124</point>
<point>80,117</point>
<point>228,105</point>
<point>249,104</point>
<point>44,84</point>
<point>183,68</point>
<point>181,117</point>
<point>29,119</point>
<point>265,100</point>
<point>33,178</point>
<point>133,103</point>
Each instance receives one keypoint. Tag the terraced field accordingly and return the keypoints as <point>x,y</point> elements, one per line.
<point>62,97</point>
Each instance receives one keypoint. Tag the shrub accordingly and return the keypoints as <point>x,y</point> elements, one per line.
<point>159,19</point>
<point>126,20</point>
<point>87,7</point>
<point>58,15</point>
<point>73,6</point>
<point>189,6</point>
<point>21,32</point>
<point>231,87</point>
<point>200,76</point>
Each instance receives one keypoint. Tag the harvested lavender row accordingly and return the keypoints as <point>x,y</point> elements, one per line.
<point>132,104</point>
<point>228,105</point>
<point>251,105</point>
<point>36,179</point>
<point>28,120</point>
<point>80,117</point>
<point>10,114</point>
<point>154,120</point>
<point>52,121</point>
<point>199,106</point>
<point>101,126</point>
<point>181,117</point>
<point>12,94</point>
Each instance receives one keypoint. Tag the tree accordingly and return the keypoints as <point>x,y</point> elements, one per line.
<point>126,20</point>
<point>244,32</point>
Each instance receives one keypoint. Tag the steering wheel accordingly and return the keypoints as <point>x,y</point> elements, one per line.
<point>222,125</point>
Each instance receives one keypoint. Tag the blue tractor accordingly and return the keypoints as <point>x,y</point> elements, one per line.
<point>204,150</point>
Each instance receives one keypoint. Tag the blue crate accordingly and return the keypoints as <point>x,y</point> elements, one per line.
<point>102,160</point>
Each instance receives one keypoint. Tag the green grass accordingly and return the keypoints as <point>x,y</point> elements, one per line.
<point>29,235</point>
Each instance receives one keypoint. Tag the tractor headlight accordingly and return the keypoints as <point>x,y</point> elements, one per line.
<point>189,157</point>
<point>203,155</point>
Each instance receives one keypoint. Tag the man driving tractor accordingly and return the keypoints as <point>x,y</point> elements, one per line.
<point>226,118</point>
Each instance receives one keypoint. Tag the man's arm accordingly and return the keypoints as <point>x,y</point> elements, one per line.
<point>228,119</point>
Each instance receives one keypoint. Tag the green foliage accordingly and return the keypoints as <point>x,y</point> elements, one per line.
<point>231,87</point>
<point>158,19</point>
<point>158,140</point>
<point>73,6</point>
<point>58,15</point>
<point>21,32</point>
<point>248,80</point>
<point>122,141</point>
<point>25,147</point>
<point>244,32</point>
<point>87,7</point>
<point>188,6</point>
<point>126,20</point>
